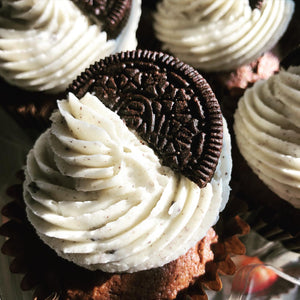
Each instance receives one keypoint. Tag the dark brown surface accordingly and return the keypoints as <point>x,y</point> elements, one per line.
<point>256,3</point>
<point>113,14</point>
<point>145,32</point>
<point>292,59</point>
<point>168,103</point>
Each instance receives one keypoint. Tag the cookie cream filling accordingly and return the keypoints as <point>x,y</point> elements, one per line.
<point>267,128</point>
<point>45,44</point>
<point>100,197</point>
<point>220,35</point>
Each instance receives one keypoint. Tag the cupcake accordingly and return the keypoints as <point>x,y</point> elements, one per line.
<point>126,187</point>
<point>267,134</point>
<point>46,44</point>
<point>232,41</point>
<point>221,36</point>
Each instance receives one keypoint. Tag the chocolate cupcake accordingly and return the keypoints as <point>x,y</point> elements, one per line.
<point>46,44</point>
<point>267,134</point>
<point>133,172</point>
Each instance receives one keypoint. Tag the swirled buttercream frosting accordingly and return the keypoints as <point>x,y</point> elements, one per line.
<point>45,44</point>
<point>99,196</point>
<point>267,129</point>
<point>220,35</point>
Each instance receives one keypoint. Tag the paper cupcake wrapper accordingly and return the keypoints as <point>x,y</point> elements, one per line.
<point>44,271</point>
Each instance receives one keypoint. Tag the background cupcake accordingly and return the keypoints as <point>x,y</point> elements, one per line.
<point>232,42</point>
<point>267,134</point>
<point>46,44</point>
<point>223,36</point>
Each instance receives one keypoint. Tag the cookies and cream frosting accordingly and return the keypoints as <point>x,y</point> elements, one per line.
<point>45,44</point>
<point>267,128</point>
<point>99,196</point>
<point>220,35</point>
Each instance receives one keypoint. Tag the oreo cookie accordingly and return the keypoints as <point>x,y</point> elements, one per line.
<point>167,102</point>
<point>112,13</point>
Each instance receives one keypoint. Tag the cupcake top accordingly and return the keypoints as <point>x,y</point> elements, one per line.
<point>220,35</point>
<point>105,198</point>
<point>45,44</point>
<point>267,129</point>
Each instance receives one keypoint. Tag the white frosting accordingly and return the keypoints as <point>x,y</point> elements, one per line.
<point>216,35</point>
<point>45,44</point>
<point>267,128</point>
<point>100,197</point>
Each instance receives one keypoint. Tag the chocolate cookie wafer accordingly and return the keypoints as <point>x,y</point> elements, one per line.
<point>112,13</point>
<point>167,102</point>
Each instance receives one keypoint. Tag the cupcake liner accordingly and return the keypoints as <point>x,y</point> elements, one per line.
<point>52,277</point>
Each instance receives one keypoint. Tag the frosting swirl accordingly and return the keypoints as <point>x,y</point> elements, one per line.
<point>220,35</point>
<point>100,197</point>
<point>267,129</point>
<point>45,44</point>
